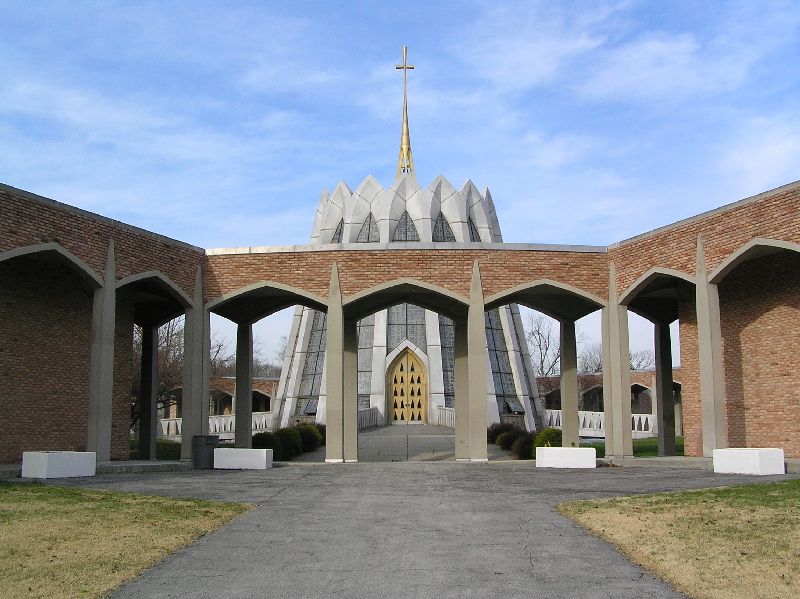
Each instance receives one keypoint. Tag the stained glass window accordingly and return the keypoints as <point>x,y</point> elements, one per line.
<point>369,231</point>
<point>337,234</point>
<point>448,337</point>
<point>405,231</point>
<point>366,328</point>
<point>502,376</point>
<point>442,230</point>
<point>405,321</point>
<point>473,231</point>
<point>312,369</point>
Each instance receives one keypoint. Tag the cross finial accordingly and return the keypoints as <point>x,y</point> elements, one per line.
<point>405,164</point>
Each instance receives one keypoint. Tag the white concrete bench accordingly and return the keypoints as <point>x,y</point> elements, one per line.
<point>58,464</point>
<point>566,457</point>
<point>235,458</point>
<point>746,460</point>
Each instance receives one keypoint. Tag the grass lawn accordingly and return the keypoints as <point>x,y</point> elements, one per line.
<point>642,448</point>
<point>712,544</point>
<point>61,542</point>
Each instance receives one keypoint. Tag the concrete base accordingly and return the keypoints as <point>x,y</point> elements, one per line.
<point>760,461</point>
<point>58,464</point>
<point>242,459</point>
<point>566,457</point>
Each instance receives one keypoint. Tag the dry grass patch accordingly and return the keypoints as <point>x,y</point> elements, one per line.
<point>720,543</point>
<point>61,542</point>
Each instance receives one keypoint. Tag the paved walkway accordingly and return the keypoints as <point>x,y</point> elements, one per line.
<point>406,443</point>
<point>413,529</point>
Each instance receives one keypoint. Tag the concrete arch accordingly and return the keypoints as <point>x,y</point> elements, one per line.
<point>546,296</point>
<point>643,281</point>
<point>258,300</point>
<point>421,293</point>
<point>54,248</point>
<point>755,248</point>
<point>153,275</point>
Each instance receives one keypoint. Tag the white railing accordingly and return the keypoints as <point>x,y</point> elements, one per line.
<point>368,418</point>
<point>224,426</point>
<point>592,424</point>
<point>446,417</point>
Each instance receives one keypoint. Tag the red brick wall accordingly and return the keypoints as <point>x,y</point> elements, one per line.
<point>760,307</point>
<point>362,269</point>
<point>124,371</point>
<point>45,355</point>
<point>690,368</point>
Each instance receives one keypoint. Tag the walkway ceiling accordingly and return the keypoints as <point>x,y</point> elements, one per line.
<point>259,303</point>
<point>551,300</point>
<point>405,293</point>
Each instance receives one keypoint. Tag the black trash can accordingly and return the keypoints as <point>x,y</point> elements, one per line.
<point>203,451</point>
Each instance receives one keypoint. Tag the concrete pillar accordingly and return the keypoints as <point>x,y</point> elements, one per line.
<point>243,406</point>
<point>148,393</point>
<point>196,369</point>
<point>709,337</point>
<point>334,368</point>
<point>478,366</point>
<point>665,406</point>
<point>101,384</point>
<point>461,388</point>
<point>616,374</point>
<point>569,386</point>
<point>350,390</point>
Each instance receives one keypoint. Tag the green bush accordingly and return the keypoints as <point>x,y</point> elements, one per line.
<point>290,441</point>
<point>497,429</point>
<point>548,437</point>
<point>506,440</point>
<point>523,446</point>
<point>321,429</point>
<point>310,435</point>
<point>165,449</point>
<point>268,441</point>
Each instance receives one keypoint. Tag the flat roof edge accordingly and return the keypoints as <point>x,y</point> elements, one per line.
<point>708,213</point>
<point>74,209</point>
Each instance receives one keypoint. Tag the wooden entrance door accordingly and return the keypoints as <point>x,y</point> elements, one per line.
<point>409,389</point>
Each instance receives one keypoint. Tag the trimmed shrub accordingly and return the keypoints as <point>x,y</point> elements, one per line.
<point>506,440</point>
<point>548,437</point>
<point>268,441</point>
<point>497,429</point>
<point>321,429</point>
<point>310,436</point>
<point>291,442</point>
<point>523,446</point>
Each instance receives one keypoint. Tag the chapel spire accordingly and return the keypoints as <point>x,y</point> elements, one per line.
<point>405,163</point>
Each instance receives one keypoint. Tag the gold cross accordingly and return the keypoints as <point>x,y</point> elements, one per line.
<point>405,163</point>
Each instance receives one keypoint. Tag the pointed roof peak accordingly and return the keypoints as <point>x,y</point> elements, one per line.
<point>405,162</point>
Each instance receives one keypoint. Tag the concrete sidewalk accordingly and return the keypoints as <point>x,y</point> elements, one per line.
<point>413,529</point>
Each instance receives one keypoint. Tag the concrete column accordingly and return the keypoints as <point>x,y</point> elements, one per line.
<point>196,369</point>
<point>478,366</point>
<point>461,389</point>
<point>350,390</point>
<point>616,360</point>
<point>243,406</point>
<point>148,393</point>
<point>334,368</point>
<point>709,337</point>
<point>101,385</point>
<point>569,386</point>
<point>665,406</point>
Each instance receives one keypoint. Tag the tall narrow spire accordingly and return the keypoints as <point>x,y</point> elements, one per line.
<point>405,163</point>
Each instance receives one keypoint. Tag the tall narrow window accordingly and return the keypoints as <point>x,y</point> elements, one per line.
<point>448,337</point>
<point>369,231</point>
<point>473,231</point>
<point>337,234</point>
<point>442,230</point>
<point>366,328</point>
<point>405,231</point>
<point>405,321</point>
<point>312,370</point>
<point>504,389</point>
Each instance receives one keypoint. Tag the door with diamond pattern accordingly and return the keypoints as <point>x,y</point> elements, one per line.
<point>409,390</point>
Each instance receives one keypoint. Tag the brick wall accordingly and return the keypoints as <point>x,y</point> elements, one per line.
<point>760,307</point>
<point>45,355</point>
<point>690,368</point>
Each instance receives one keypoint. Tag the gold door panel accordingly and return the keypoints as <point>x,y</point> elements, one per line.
<point>409,388</point>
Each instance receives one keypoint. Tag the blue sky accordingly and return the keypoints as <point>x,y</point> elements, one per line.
<point>220,123</point>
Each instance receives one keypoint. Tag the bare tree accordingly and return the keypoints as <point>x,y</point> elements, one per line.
<point>544,344</point>
<point>590,360</point>
<point>642,360</point>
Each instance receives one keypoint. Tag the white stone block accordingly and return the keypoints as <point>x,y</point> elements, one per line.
<point>765,460</point>
<point>229,458</point>
<point>58,464</point>
<point>566,457</point>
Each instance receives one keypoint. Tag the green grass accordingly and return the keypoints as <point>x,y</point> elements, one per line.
<point>642,448</point>
<point>714,544</point>
<point>165,450</point>
<point>67,542</point>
